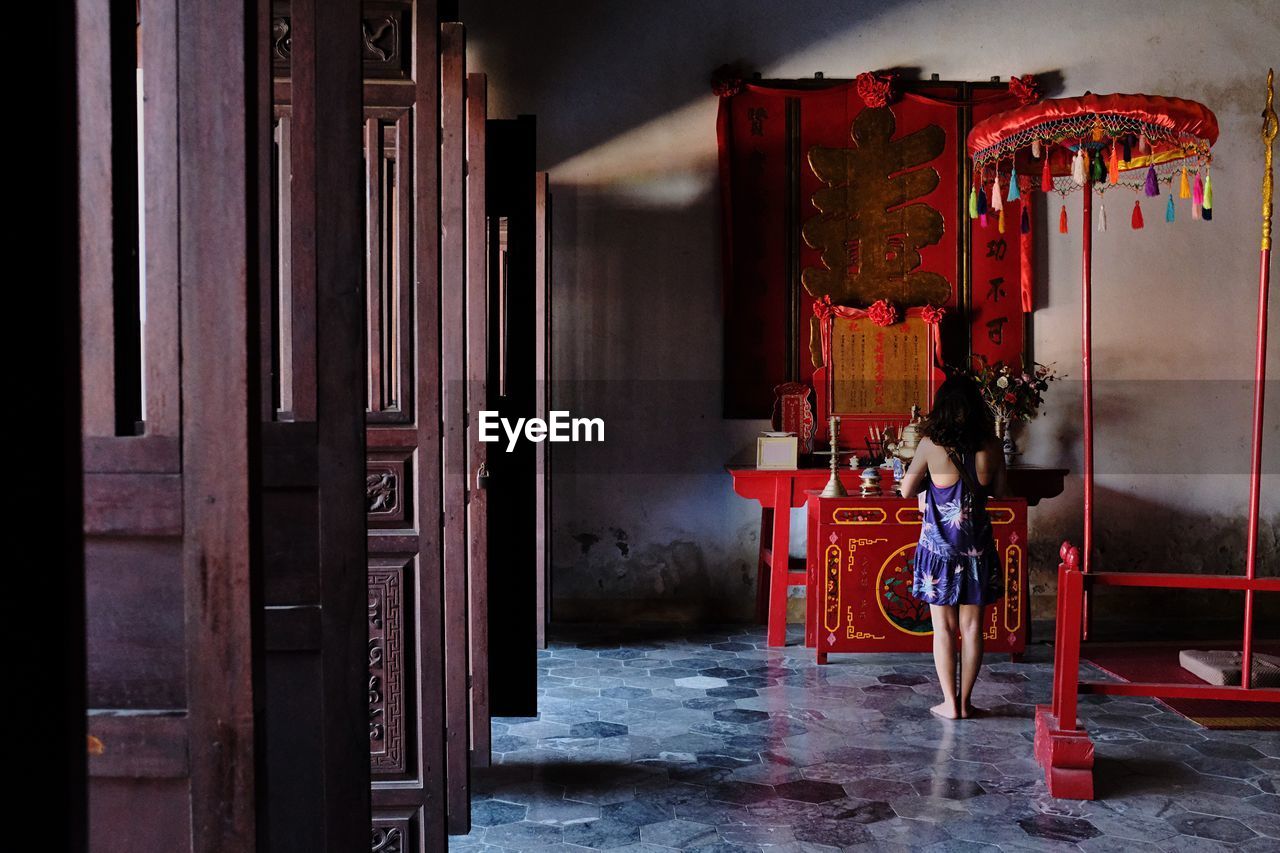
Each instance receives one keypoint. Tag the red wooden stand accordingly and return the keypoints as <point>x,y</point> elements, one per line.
<point>1063,750</point>
<point>859,597</point>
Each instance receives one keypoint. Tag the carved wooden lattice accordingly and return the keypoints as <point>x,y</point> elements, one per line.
<point>386,669</point>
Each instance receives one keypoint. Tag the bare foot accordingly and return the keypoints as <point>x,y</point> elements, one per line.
<point>945,710</point>
<point>969,712</point>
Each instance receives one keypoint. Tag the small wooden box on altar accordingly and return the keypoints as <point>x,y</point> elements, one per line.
<point>860,561</point>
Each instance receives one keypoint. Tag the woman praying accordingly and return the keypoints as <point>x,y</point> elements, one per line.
<point>957,465</point>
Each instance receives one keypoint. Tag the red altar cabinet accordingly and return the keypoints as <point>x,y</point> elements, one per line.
<point>860,560</point>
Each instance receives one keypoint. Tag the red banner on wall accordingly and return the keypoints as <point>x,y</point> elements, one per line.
<point>800,167</point>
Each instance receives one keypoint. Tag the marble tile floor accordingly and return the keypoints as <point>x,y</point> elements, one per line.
<point>707,740</point>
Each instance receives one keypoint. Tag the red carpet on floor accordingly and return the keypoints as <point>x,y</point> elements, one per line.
<point>1159,663</point>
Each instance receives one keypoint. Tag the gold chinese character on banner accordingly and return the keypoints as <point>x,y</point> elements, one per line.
<point>868,228</point>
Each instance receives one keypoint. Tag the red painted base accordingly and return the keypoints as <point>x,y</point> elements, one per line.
<point>1066,756</point>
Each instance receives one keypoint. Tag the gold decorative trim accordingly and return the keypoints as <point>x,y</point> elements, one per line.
<point>1013,591</point>
<point>845,510</point>
<point>918,519</point>
<point>880,598</point>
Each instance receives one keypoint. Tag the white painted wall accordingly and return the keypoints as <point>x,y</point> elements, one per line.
<point>626,126</point>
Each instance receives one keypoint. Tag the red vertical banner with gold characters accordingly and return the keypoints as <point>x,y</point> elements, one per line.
<point>754,193</point>
<point>997,329</point>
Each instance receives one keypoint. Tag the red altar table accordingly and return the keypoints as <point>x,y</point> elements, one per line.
<point>859,566</point>
<point>785,489</point>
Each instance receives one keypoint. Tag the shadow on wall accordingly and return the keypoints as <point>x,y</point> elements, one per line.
<point>1135,534</point>
<point>596,91</point>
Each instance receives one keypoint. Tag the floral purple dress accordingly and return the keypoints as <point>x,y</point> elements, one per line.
<point>956,561</point>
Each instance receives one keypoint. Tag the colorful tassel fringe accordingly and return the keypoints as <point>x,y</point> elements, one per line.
<point>1207,204</point>
<point>1098,168</point>
<point>997,199</point>
<point>1184,185</point>
<point>1136,219</point>
<point>1152,187</point>
<point>982,203</point>
<point>1000,220</point>
<point>982,220</point>
<point>1025,225</point>
<point>1046,177</point>
<point>1168,210</point>
<point>1079,168</point>
<point>1113,166</point>
<point>1062,220</point>
<point>1035,148</point>
<point>1102,217</point>
<point>1014,193</point>
<point>973,203</point>
<point>1206,213</point>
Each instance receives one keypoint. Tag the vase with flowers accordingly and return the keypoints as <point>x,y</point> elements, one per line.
<point>1012,394</point>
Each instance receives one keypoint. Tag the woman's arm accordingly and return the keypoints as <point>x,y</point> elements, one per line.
<point>913,481</point>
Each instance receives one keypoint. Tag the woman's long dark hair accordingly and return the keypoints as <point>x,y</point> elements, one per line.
<point>959,419</point>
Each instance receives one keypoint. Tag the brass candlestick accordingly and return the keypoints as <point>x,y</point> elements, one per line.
<point>834,488</point>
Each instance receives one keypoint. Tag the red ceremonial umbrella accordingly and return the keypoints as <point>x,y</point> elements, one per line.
<point>1093,144</point>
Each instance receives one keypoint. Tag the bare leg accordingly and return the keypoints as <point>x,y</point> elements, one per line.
<point>944,658</point>
<point>970,655</point>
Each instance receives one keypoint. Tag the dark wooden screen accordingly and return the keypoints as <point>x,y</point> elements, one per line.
<point>167,472</point>
<point>512,493</point>
<point>52,454</point>
<point>311,508</point>
<point>542,403</point>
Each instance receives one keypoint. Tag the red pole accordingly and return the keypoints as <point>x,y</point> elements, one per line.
<point>1259,378</point>
<point>1255,472</point>
<point>1086,364</point>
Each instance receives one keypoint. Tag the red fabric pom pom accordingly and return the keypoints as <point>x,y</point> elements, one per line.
<point>726,81</point>
<point>882,313</point>
<point>932,316</point>
<point>1136,221</point>
<point>875,88</point>
<point>1025,88</point>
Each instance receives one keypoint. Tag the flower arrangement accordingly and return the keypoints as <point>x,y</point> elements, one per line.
<point>1013,394</point>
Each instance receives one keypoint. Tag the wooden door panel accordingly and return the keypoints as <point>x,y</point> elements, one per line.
<point>166,515</point>
<point>477,320</point>
<point>311,505</point>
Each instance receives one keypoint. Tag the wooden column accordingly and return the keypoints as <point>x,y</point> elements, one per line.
<point>453,292</point>
<point>215,175</point>
<point>54,228</point>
